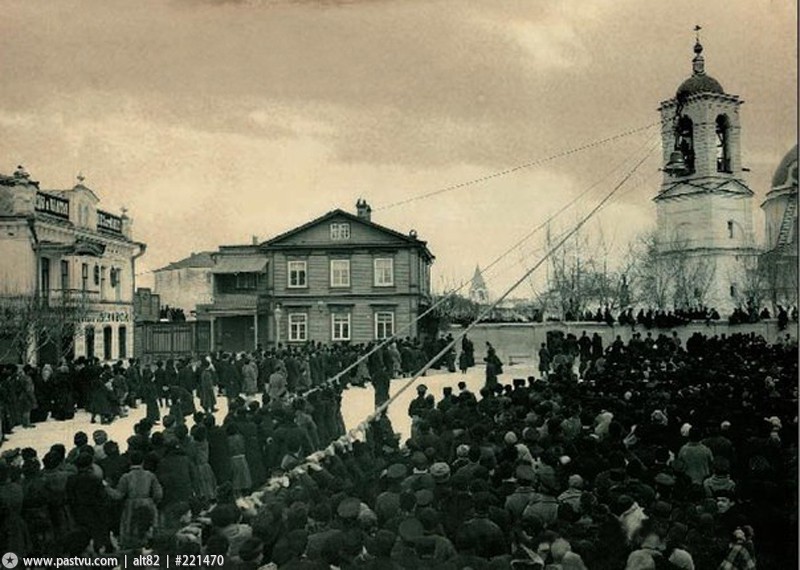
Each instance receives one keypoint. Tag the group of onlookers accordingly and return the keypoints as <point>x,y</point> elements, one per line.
<point>660,455</point>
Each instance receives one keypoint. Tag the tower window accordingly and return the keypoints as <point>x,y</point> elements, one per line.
<point>684,142</point>
<point>723,144</point>
<point>730,229</point>
<point>733,290</point>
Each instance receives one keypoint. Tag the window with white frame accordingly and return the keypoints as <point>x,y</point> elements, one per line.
<point>384,272</point>
<point>340,231</point>
<point>297,274</point>
<point>340,326</point>
<point>340,273</point>
<point>298,327</point>
<point>384,324</point>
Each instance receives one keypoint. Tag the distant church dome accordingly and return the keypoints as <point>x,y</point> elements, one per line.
<point>786,173</point>
<point>699,82</point>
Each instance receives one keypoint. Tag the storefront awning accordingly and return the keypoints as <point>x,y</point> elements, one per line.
<point>240,264</point>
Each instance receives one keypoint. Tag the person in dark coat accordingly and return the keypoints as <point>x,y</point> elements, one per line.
<point>544,361</point>
<point>149,393</point>
<point>160,378</point>
<point>187,377</point>
<point>380,377</point>
<point>88,502</point>
<point>63,396</point>
<point>218,455</point>
<point>114,465</point>
<point>99,402</point>
<point>176,476</point>
<point>419,407</point>
<point>480,532</point>
<point>182,403</point>
<point>208,399</point>
<point>494,366</point>
<point>253,450</point>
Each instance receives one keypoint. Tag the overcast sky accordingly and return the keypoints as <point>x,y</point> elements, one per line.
<point>216,121</point>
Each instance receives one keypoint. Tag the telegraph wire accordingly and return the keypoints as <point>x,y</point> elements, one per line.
<point>383,407</point>
<point>519,167</point>
<point>502,173</point>
<point>398,334</point>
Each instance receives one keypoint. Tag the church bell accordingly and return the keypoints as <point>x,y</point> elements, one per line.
<point>676,166</point>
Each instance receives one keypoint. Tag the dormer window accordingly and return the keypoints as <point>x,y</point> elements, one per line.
<point>340,231</point>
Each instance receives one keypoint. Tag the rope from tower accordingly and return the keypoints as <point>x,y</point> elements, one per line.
<point>398,334</point>
<point>519,167</point>
<point>383,407</point>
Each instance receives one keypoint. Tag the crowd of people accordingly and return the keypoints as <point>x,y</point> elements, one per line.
<point>29,394</point>
<point>640,455</point>
<point>667,319</point>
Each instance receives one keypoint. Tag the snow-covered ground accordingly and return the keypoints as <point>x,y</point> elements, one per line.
<point>357,404</point>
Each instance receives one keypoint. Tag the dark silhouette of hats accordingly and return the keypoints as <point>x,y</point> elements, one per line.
<point>349,508</point>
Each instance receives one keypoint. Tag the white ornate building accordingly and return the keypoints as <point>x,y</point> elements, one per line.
<point>64,263</point>
<point>704,207</point>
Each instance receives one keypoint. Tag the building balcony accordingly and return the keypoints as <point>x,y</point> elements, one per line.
<point>70,296</point>
<point>232,302</point>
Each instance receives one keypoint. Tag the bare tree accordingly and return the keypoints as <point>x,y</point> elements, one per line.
<point>583,274</point>
<point>455,309</point>
<point>31,324</point>
<point>667,274</point>
<point>754,283</point>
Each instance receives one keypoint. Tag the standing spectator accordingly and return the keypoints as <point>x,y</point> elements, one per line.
<point>88,502</point>
<point>208,401</point>
<point>544,361</point>
<point>241,478</point>
<point>140,492</point>
<point>206,482</point>
<point>695,458</point>
<point>494,367</point>
<point>249,377</point>
<point>26,395</point>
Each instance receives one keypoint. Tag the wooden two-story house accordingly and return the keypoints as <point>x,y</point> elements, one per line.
<point>338,278</point>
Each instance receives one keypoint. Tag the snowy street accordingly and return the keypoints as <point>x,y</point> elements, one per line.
<point>357,404</point>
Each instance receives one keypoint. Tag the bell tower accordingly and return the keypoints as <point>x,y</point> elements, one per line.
<point>704,206</point>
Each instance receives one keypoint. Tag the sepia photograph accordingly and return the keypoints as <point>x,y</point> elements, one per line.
<point>399,284</point>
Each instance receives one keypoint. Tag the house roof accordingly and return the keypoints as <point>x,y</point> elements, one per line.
<point>240,264</point>
<point>411,240</point>
<point>196,260</point>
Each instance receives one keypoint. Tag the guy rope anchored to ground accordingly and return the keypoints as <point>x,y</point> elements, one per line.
<point>353,434</point>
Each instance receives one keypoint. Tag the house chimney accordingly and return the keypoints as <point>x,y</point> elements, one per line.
<point>363,210</point>
<point>254,240</point>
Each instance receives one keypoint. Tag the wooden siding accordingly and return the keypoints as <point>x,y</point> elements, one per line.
<point>320,235</point>
<point>362,278</point>
<point>362,318</point>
